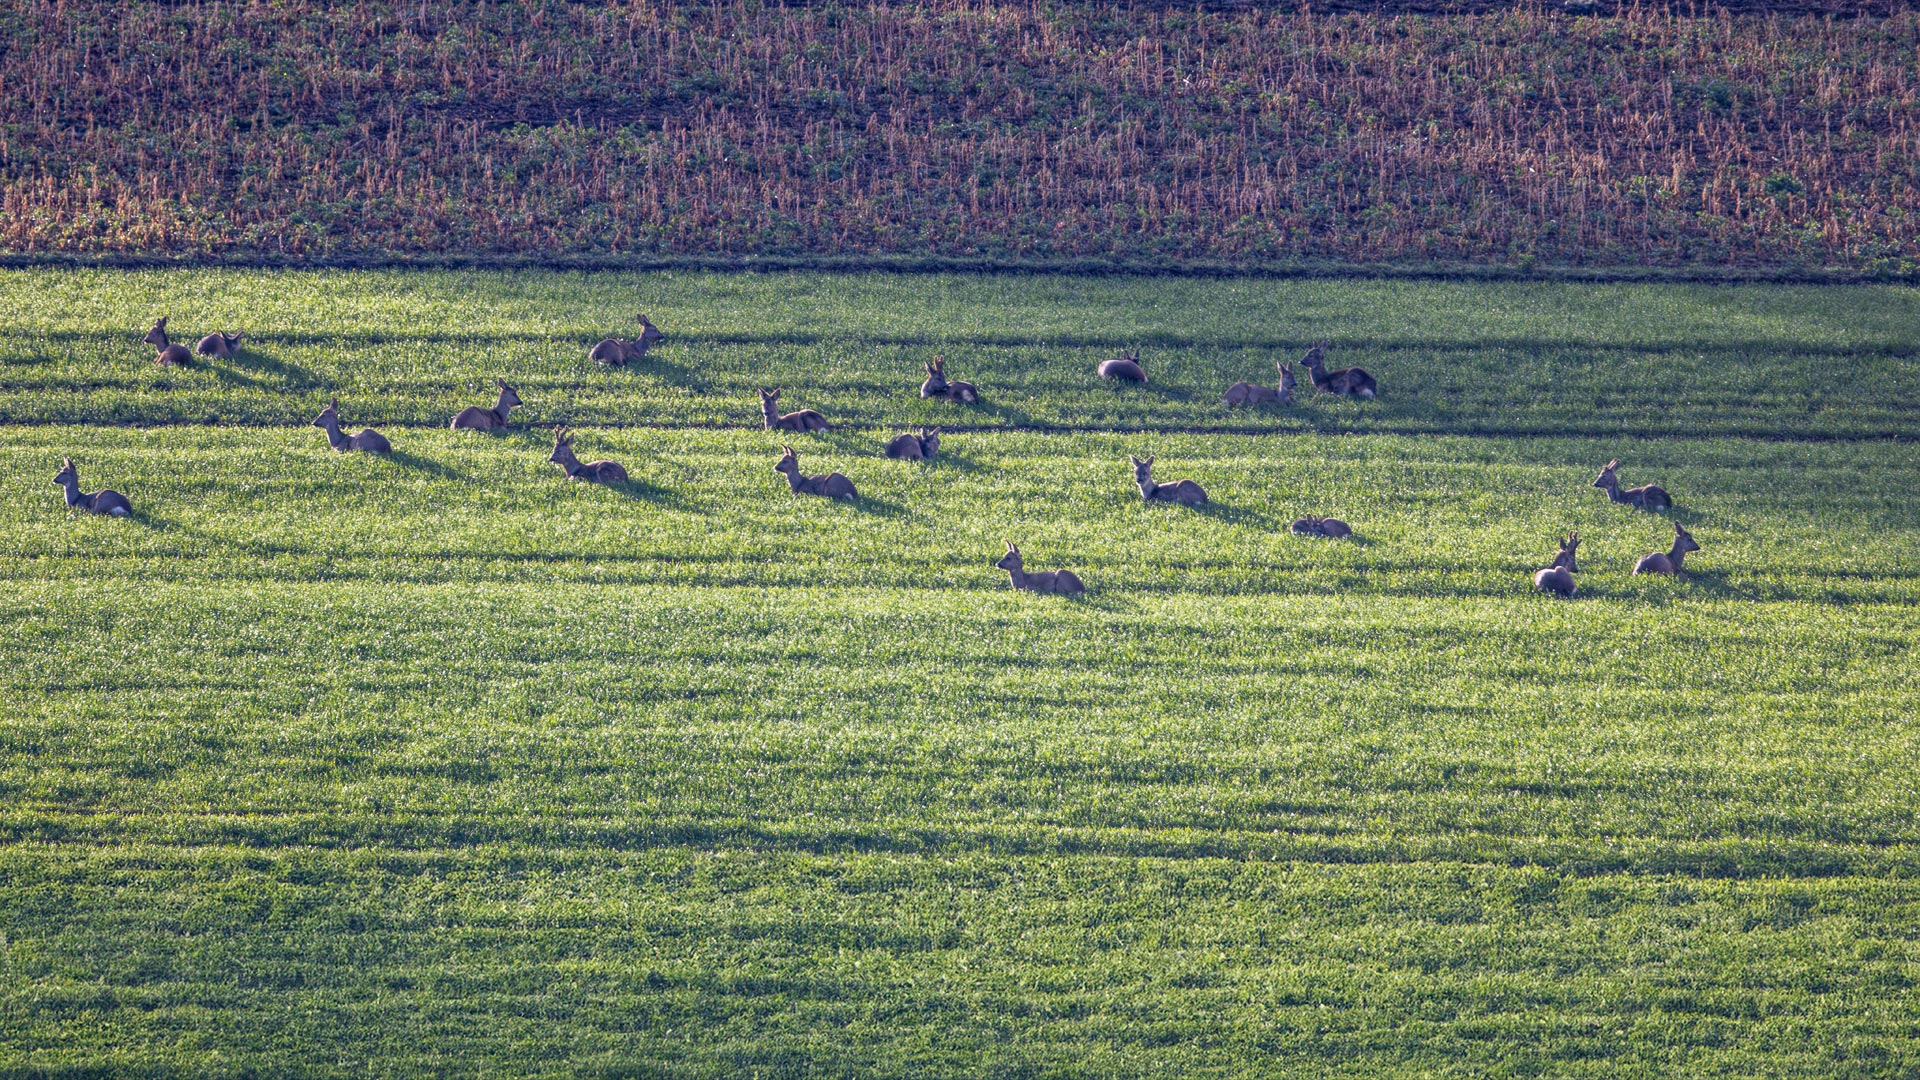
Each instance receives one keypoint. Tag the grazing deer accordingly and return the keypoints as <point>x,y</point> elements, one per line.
<point>1668,562</point>
<point>368,439</point>
<point>832,485</point>
<point>598,472</point>
<point>218,345</point>
<point>1312,525</point>
<point>804,420</point>
<point>494,419</point>
<point>1184,492</point>
<point>1045,581</point>
<point>919,447</point>
<point>1646,497</point>
<point>104,501</point>
<point>1126,368</point>
<point>1351,382</point>
<point>1557,577</point>
<point>170,354</point>
<point>937,385</point>
<point>1243,393</point>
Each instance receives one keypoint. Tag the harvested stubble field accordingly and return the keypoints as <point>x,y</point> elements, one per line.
<point>443,764</point>
<point>1514,135</point>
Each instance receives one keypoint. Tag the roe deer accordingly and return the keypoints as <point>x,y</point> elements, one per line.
<point>803,420</point>
<point>919,447</point>
<point>938,386</point>
<point>1352,382</point>
<point>475,418</point>
<point>1557,577</point>
<point>1668,562</point>
<point>170,354</point>
<point>1312,525</point>
<point>615,352</point>
<point>368,439</point>
<point>1127,368</point>
<point>832,485</point>
<point>104,501</point>
<point>218,345</point>
<point>1184,492</point>
<point>1243,393</point>
<point>598,472</point>
<point>1046,581</point>
<point>1646,497</point>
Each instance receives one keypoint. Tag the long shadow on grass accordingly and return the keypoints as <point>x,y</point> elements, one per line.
<point>289,376</point>
<point>425,465</point>
<point>647,491</point>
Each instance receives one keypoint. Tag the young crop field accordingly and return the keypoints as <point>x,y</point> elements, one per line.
<point>441,763</point>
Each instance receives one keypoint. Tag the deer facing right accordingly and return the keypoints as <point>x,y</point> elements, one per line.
<point>910,447</point>
<point>1244,393</point>
<point>1670,561</point>
<point>475,418</point>
<point>1557,576</point>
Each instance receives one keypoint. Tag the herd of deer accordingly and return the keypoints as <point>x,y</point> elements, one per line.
<point>1557,577</point>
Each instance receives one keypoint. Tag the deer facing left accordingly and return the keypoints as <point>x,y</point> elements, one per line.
<point>170,353</point>
<point>104,501</point>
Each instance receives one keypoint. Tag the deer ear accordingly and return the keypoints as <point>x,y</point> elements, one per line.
<point>499,382</point>
<point>160,323</point>
<point>334,404</point>
<point>67,461</point>
<point>1614,464</point>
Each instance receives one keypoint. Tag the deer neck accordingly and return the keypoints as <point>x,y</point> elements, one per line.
<point>1018,575</point>
<point>72,484</point>
<point>502,407</point>
<point>768,411</point>
<point>1147,488</point>
<point>334,438</point>
<point>1676,555</point>
<point>795,481</point>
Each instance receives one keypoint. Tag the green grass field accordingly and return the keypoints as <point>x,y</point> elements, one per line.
<point>443,764</point>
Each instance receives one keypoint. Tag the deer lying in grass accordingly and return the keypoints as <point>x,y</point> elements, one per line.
<point>1351,382</point>
<point>1646,497</point>
<point>1668,562</point>
<point>1557,577</point>
<point>1242,393</point>
<point>937,385</point>
<point>1126,368</point>
<point>218,345</point>
<point>833,485</point>
<point>803,421</point>
<point>368,439</point>
<point>1321,526</point>
<point>597,472</point>
<point>919,447</point>
<point>1184,492</point>
<point>169,354</point>
<point>477,419</point>
<point>104,501</point>
<point>1044,581</point>
<point>617,352</point>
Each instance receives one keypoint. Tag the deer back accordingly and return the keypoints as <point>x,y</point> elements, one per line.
<point>905,448</point>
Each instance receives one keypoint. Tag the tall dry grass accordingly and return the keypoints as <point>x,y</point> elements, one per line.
<point>958,128</point>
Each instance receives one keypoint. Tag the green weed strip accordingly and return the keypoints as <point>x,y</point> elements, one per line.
<point>443,763</point>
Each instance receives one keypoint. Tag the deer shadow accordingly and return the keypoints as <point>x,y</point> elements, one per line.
<point>647,491</point>
<point>1230,514</point>
<point>291,376</point>
<point>667,371</point>
<point>425,465</point>
<point>868,504</point>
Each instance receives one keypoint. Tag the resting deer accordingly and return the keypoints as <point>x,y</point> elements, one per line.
<point>1184,492</point>
<point>1312,525</point>
<point>598,472</point>
<point>1126,368</point>
<point>937,385</point>
<point>1668,562</point>
<point>368,439</point>
<point>1044,581</point>
<point>494,419</point>
<point>1557,577</point>
<point>832,485</point>
<point>803,420</point>
<point>615,352</point>
<point>170,354</point>
<point>218,345</point>
<point>919,447</point>
<point>1352,382</point>
<point>1646,497</point>
<point>1243,393</point>
<point>104,501</point>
